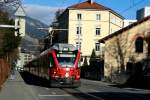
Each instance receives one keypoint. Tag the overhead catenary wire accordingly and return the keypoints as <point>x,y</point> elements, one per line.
<point>132,6</point>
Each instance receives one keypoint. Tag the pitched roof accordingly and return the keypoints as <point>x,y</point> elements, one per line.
<point>124,29</point>
<point>20,12</point>
<point>88,5</point>
<point>95,6</point>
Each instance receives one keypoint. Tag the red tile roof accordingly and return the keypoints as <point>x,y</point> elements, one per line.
<point>88,5</point>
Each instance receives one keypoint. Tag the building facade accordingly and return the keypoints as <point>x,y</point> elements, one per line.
<point>24,58</point>
<point>87,22</point>
<point>20,20</point>
<point>127,50</point>
<point>143,12</point>
<point>128,22</point>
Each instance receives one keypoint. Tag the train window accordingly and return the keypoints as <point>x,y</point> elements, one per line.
<point>79,64</point>
<point>66,59</point>
<point>51,61</point>
<point>50,64</point>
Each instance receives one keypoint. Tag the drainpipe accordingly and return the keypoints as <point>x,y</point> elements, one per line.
<point>109,23</point>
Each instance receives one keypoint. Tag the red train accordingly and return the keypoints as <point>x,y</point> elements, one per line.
<point>59,64</point>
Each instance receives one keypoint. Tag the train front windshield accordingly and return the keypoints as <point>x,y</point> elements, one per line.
<point>66,59</point>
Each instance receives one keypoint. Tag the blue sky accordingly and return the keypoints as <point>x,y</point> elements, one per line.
<point>44,10</point>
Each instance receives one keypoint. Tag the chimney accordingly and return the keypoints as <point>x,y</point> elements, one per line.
<point>90,1</point>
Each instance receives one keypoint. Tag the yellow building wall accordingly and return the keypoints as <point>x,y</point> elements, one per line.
<point>89,24</point>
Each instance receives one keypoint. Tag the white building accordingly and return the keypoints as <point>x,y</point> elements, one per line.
<point>23,59</point>
<point>21,22</point>
<point>143,12</point>
<point>128,22</point>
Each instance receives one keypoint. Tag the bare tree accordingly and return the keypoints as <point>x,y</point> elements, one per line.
<point>119,49</point>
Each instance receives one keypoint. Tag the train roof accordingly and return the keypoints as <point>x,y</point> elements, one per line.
<point>60,47</point>
<point>64,46</point>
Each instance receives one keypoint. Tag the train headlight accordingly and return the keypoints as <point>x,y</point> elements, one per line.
<point>54,72</point>
<point>67,75</point>
<point>67,69</point>
<point>56,76</point>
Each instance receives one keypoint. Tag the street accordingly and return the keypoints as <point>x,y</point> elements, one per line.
<point>90,90</point>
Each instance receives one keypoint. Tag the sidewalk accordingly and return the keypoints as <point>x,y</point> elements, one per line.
<point>16,89</point>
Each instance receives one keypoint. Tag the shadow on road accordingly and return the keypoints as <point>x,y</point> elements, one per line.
<point>113,96</point>
<point>107,95</point>
<point>141,82</point>
<point>34,80</point>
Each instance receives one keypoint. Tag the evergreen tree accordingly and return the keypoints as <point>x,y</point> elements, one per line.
<point>93,57</point>
<point>8,41</point>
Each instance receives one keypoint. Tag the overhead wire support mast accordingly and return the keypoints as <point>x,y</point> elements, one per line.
<point>134,4</point>
<point>51,32</point>
<point>9,26</point>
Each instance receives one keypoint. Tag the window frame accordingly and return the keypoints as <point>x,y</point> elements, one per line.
<point>78,30</point>
<point>98,16</point>
<point>97,46</point>
<point>79,16</point>
<point>78,45</point>
<point>98,31</point>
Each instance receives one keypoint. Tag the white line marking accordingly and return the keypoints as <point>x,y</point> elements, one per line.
<point>47,88</point>
<point>53,93</point>
<point>93,90</point>
<point>93,96</point>
<point>135,89</point>
<point>49,95</point>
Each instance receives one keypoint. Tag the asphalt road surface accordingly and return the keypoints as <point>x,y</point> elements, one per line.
<point>34,88</point>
